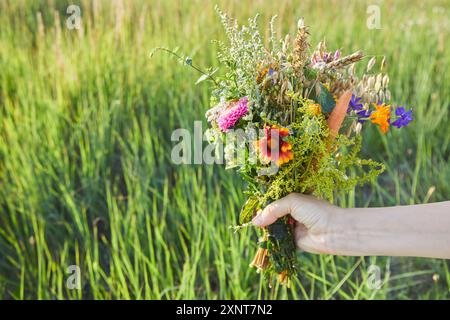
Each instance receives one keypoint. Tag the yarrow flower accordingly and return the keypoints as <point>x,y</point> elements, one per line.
<point>213,113</point>
<point>235,110</point>
<point>282,149</point>
<point>381,116</point>
<point>404,117</point>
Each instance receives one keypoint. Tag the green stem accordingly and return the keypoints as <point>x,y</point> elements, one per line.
<point>184,61</point>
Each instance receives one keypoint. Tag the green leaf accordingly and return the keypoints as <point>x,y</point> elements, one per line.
<point>323,97</point>
<point>248,210</point>
<point>202,78</point>
<point>206,76</point>
<point>310,73</point>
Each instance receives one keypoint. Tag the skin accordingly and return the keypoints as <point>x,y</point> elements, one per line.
<point>417,230</point>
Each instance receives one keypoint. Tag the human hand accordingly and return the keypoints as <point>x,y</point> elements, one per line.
<point>414,231</point>
<point>313,216</point>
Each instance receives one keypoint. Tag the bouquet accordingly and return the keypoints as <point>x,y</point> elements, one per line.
<point>288,119</point>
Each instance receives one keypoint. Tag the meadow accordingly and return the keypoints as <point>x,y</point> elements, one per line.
<point>86,177</point>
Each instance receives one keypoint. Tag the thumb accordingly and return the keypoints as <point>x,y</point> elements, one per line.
<point>273,211</point>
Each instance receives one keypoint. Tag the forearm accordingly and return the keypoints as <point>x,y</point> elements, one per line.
<point>418,230</point>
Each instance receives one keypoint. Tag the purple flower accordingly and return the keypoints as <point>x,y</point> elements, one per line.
<point>231,115</point>
<point>355,104</point>
<point>337,54</point>
<point>325,57</point>
<point>363,115</point>
<point>404,117</point>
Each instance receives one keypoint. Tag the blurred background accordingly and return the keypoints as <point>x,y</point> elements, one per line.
<point>87,187</point>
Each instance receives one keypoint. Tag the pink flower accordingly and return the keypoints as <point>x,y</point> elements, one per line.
<point>232,114</point>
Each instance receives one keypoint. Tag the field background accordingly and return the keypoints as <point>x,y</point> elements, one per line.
<point>85,170</point>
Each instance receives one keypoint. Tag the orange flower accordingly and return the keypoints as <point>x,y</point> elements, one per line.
<point>282,150</point>
<point>381,116</point>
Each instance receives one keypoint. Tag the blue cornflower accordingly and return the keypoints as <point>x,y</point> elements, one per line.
<point>404,117</point>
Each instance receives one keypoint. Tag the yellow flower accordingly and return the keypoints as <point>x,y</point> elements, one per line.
<point>314,109</point>
<point>381,116</point>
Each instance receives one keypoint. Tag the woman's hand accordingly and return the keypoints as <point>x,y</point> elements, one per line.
<point>416,230</point>
<point>313,220</point>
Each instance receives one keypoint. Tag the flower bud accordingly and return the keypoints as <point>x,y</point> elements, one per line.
<point>385,81</point>
<point>371,64</point>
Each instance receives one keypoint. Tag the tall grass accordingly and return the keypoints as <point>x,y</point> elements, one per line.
<point>85,172</point>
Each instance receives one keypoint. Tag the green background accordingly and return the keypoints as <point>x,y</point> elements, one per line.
<point>85,172</point>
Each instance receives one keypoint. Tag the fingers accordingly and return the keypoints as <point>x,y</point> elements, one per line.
<point>273,211</point>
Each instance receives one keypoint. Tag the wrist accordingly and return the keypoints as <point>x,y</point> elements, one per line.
<point>390,231</point>
<point>366,232</point>
<point>346,233</point>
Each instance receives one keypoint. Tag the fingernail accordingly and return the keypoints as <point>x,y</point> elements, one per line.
<point>257,221</point>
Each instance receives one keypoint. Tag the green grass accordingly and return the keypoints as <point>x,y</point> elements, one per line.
<point>85,170</point>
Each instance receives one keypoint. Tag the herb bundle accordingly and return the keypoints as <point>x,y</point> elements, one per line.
<point>289,119</point>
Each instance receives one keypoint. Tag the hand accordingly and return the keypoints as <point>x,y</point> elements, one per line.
<point>312,217</point>
<point>415,230</point>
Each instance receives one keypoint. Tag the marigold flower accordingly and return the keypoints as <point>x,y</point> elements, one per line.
<point>262,74</point>
<point>232,114</point>
<point>381,116</point>
<point>282,149</point>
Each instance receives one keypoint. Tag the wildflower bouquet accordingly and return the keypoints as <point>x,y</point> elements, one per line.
<point>289,121</point>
